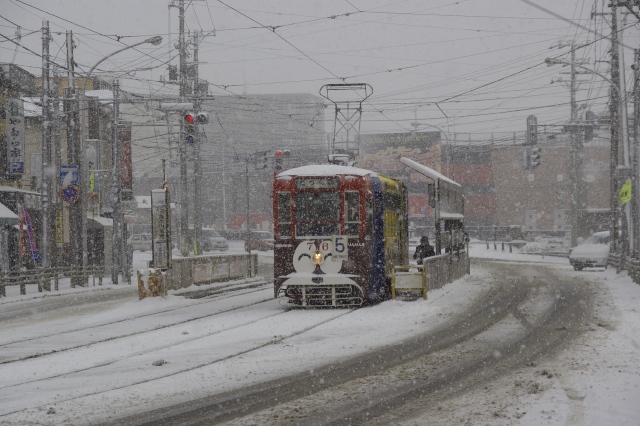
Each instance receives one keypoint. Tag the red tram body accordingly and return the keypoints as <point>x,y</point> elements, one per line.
<point>339,231</point>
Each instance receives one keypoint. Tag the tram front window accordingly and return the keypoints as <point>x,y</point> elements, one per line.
<point>317,213</point>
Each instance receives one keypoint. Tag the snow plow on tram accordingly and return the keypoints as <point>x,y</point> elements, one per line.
<point>339,232</point>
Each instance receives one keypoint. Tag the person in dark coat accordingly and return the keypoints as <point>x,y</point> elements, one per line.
<point>424,250</point>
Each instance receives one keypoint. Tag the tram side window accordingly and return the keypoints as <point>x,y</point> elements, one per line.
<point>391,214</point>
<point>369,215</point>
<point>352,213</point>
<point>284,214</point>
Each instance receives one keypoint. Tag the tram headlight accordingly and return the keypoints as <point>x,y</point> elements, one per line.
<point>317,258</point>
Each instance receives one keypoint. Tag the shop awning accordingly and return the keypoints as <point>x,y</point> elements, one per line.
<point>7,217</point>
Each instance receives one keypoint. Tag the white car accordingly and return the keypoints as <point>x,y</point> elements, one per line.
<point>592,253</point>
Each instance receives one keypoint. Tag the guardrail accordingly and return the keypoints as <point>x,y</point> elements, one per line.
<point>500,245</point>
<point>446,268</point>
<point>633,267</point>
<point>434,273</point>
<point>44,277</point>
<point>613,261</point>
<point>621,263</point>
<point>208,269</point>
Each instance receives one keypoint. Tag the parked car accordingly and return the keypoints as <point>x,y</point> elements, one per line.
<point>592,253</point>
<point>141,242</point>
<point>212,240</point>
<point>261,240</point>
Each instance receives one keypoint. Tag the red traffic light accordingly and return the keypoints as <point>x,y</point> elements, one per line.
<point>189,118</point>
<point>278,153</point>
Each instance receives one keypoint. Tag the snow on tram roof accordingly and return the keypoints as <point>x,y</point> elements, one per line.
<point>327,170</point>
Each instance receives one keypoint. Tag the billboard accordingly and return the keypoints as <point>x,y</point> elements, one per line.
<point>381,153</point>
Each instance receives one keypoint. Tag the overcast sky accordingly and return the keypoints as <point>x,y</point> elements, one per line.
<point>481,61</point>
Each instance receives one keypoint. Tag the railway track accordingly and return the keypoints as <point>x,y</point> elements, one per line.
<point>53,343</point>
<point>15,386</point>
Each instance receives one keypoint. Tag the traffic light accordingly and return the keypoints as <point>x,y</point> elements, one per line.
<point>173,72</point>
<point>588,132</point>
<point>189,123</point>
<point>203,118</point>
<point>189,120</point>
<point>532,130</point>
<point>280,154</point>
<point>265,160</point>
<point>535,157</point>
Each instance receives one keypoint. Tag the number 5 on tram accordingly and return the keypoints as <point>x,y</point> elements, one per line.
<point>339,231</point>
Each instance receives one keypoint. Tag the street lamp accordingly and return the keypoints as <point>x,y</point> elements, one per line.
<point>116,243</point>
<point>614,144</point>
<point>554,61</point>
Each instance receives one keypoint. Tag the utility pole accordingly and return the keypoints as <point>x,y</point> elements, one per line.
<point>184,196</point>
<point>578,194</point>
<point>197,170</point>
<point>46,147</point>
<point>578,191</point>
<point>224,198</point>
<point>635,199</point>
<point>574,153</point>
<point>627,225</point>
<point>615,134</point>
<point>248,232</point>
<point>74,158</point>
<point>57,207</point>
<point>115,191</point>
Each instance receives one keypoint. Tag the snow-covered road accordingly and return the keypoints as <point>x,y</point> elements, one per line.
<point>94,362</point>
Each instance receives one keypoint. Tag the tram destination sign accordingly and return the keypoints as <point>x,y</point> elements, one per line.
<point>15,136</point>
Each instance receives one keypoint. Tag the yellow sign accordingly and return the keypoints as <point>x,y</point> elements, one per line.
<point>92,180</point>
<point>625,193</point>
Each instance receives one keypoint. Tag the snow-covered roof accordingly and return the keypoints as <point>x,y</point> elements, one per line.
<point>104,96</point>
<point>327,170</point>
<point>144,202</point>
<point>7,217</point>
<point>32,106</point>
<point>4,188</point>
<point>427,171</point>
<point>104,221</point>
<point>446,215</point>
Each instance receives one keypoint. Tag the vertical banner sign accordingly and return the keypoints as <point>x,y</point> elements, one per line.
<point>23,249</point>
<point>160,228</point>
<point>33,249</point>
<point>15,136</point>
<point>124,139</point>
<point>92,180</point>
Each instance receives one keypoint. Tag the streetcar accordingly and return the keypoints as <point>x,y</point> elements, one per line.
<point>338,233</point>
